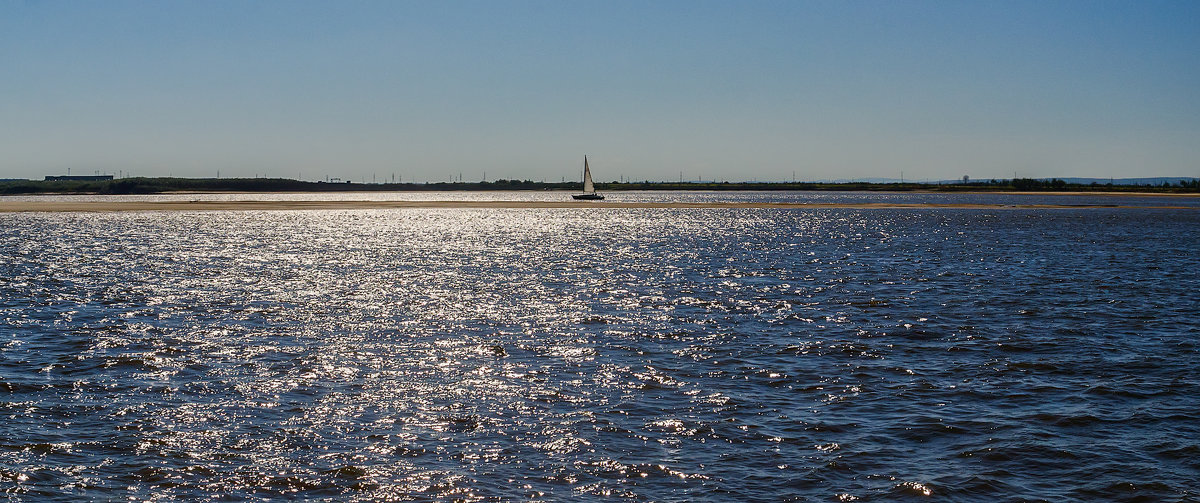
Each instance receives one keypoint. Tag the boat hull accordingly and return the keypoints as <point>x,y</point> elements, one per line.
<point>587,197</point>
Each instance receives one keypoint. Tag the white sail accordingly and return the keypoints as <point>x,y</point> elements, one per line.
<point>588,187</point>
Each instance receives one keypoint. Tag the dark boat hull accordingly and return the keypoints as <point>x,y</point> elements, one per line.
<point>588,197</point>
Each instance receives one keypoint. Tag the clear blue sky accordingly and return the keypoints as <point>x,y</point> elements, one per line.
<point>721,90</point>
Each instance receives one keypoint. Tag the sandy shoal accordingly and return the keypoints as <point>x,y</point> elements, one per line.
<point>110,206</point>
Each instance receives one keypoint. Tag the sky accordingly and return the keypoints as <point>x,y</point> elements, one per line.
<point>648,90</point>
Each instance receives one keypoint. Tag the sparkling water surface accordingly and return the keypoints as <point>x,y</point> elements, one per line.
<point>664,196</point>
<point>601,354</point>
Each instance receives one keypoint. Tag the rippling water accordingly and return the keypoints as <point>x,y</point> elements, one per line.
<point>667,196</point>
<point>603,354</point>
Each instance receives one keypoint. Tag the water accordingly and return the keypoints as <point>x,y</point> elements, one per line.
<point>605,354</point>
<point>667,196</point>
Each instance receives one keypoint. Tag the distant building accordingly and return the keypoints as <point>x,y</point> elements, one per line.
<point>78,178</point>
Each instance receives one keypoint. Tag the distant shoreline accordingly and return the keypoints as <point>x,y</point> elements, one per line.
<point>152,206</point>
<point>129,186</point>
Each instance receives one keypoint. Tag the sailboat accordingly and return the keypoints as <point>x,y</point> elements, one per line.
<point>589,189</point>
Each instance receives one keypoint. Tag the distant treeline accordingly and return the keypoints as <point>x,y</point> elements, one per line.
<point>1052,184</point>
<point>158,185</point>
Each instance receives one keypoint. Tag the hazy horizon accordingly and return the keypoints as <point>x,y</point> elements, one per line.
<point>522,90</point>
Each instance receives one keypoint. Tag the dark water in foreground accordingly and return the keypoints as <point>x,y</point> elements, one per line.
<point>541,354</point>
